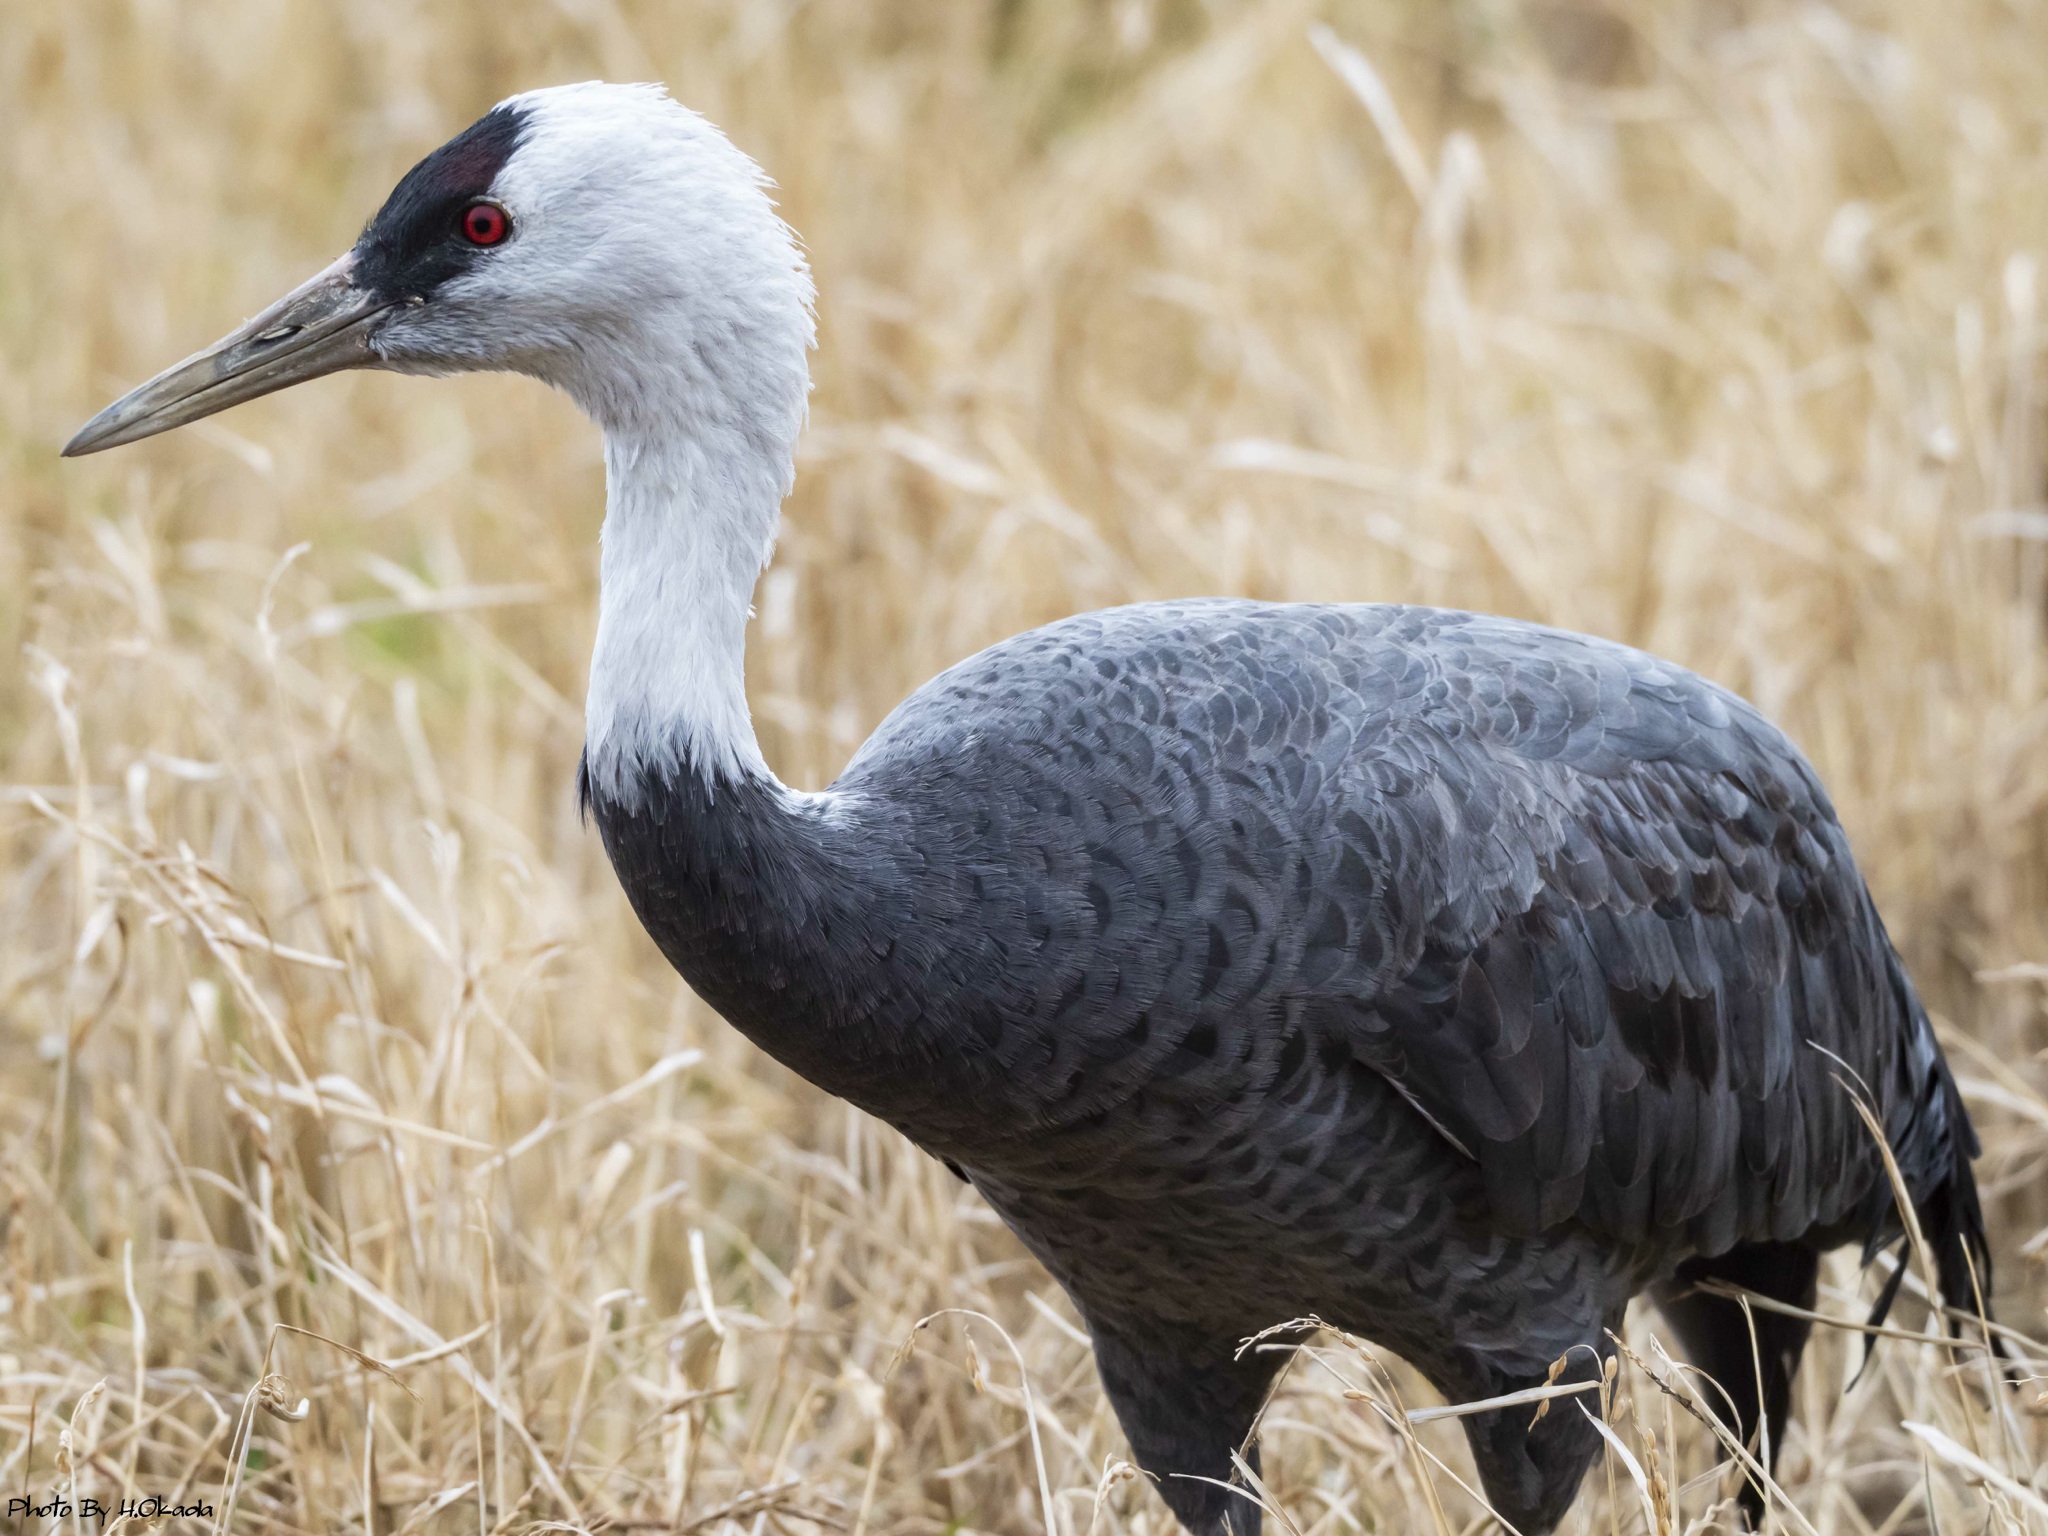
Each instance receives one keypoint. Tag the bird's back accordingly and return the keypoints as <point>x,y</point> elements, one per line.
<point>1186,871</point>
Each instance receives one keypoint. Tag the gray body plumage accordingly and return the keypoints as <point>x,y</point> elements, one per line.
<point>1446,977</point>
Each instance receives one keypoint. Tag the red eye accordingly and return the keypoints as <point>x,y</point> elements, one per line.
<point>484,224</point>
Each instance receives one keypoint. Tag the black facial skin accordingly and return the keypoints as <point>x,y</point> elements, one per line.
<point>415,242</point>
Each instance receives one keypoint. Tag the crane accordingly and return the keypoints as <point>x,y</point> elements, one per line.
<point>1449,978</point>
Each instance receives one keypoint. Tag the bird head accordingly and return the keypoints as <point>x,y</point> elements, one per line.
<point>600,237</point>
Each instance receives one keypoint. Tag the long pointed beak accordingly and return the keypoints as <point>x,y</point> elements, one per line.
<point>322,326</point>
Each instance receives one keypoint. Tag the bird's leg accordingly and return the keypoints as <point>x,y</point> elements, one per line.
<point>1531,1465</point>
<point>1716,1335</point>
<point>1186,1404</point>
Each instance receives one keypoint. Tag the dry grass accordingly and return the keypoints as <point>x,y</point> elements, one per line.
<point>1716,327</point>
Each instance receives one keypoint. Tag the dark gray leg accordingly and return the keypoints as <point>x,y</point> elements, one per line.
<point>1716,1337</point>
<point>1185,1405</point>
<point>1532,1473</point>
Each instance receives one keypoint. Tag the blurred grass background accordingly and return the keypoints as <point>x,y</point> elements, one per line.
<point>1714,326</point>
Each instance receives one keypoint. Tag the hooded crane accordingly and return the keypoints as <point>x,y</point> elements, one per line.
<point>1448,978</point>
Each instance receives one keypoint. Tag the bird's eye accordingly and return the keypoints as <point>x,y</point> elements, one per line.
<point>485,224</point>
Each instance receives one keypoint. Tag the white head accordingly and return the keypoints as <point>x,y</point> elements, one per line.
<point>613,243</point>
<point>642,268</point>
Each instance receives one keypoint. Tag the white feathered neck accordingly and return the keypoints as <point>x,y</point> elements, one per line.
<point>662,291</point>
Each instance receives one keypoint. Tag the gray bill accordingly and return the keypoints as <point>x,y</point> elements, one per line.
<point>322,326</point>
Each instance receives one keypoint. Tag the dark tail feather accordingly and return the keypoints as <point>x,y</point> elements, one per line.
<point>1882,1310</point>
<point>1953,1220</point>
<point>1933,1143</point>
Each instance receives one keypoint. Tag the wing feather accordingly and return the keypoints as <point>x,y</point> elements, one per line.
<point>1636,907</point>
<point>1587,913</point>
